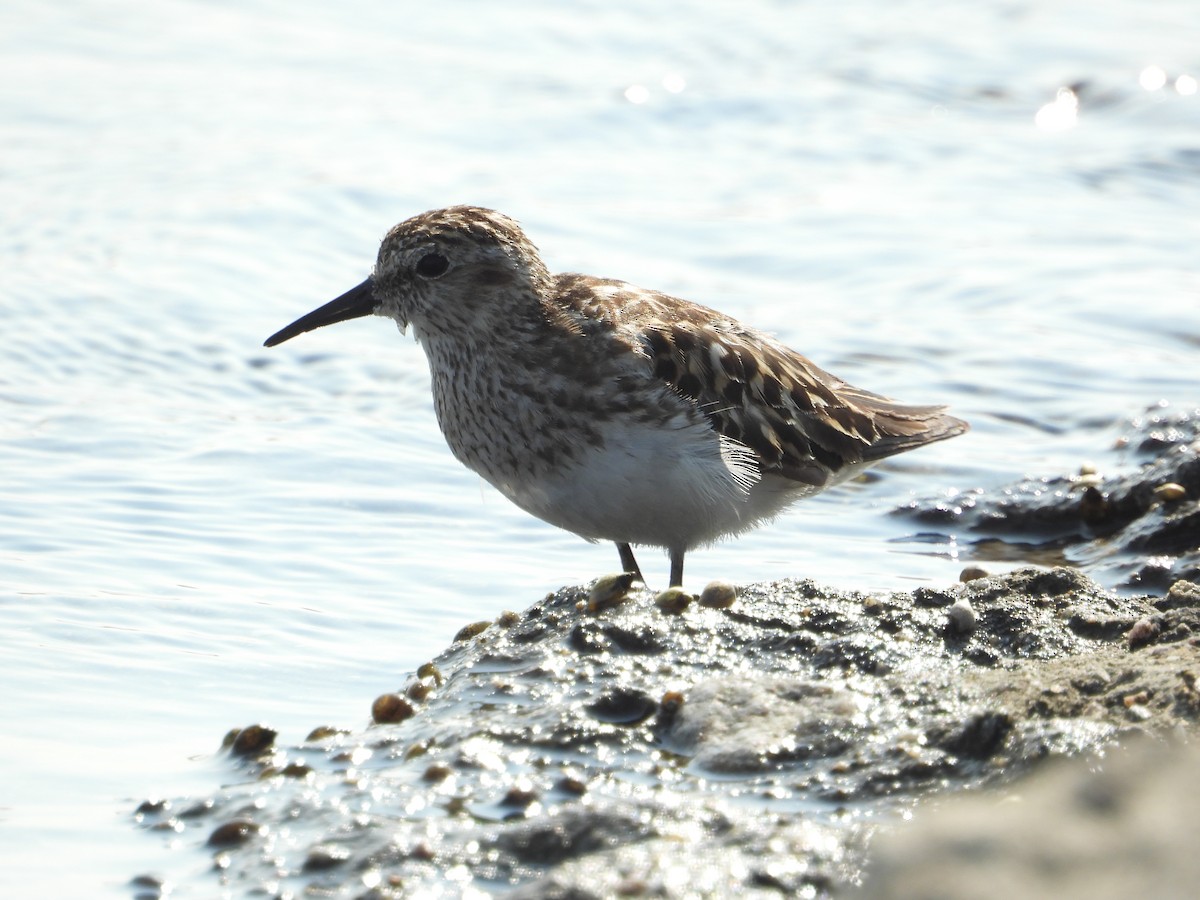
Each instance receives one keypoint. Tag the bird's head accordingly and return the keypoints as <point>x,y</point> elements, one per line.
<point>463,271</point>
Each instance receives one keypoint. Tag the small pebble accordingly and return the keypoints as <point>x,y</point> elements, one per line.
<point>520,795</point>
<point>325,856</point>
<point>420,748</point>
<point>1138,713</point>
<point>323,731</point>
<point>973,573</point>
<point>252,740</point>
<point>469,631</point>
<point>198,810</point>
<point>961,617</point>
<point>673,601</point>
<point>418,690</point>
<point>390,708</point>
<point>422,851</point>
<point>633,887</point>
<point>570,784</point>
<point>1142,633</point>
<point>671,702</point>
<point>429,670</point>
<point>1137,699</point>
<point>233,833</point>
<point>718,595</point>
<point>1094,506</point>
<point>437,772</point>
<point>609,591</point>
<point>1170,492</point>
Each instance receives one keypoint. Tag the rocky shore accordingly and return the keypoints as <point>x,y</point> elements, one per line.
<point>1013,735</point>
<point>578,751</point>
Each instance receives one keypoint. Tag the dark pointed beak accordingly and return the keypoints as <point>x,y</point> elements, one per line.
<point>356,302</point>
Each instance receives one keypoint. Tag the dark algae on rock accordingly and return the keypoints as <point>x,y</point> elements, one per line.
<point>1134,520</point>
<point>750,747</point>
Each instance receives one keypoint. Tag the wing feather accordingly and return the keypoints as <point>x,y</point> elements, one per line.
<point>800,421</point>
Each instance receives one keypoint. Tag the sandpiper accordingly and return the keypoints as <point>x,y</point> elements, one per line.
<point>617,413</point>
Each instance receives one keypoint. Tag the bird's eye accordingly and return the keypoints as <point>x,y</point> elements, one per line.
<point>432,265</point>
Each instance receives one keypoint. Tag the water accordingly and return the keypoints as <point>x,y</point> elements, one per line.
<point>197,533</point>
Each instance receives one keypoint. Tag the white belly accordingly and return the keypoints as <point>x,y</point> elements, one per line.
<point>676,487</point>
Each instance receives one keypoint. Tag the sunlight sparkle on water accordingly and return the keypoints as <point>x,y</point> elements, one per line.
<point>1152,78</point>
<point>674,82</point>
<point>637,93</point>
<point>1059,115</point>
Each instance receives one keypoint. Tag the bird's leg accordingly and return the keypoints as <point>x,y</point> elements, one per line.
<point>628,563</point>
<point>676,568</point>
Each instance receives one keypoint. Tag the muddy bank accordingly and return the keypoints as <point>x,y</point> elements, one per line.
<point>601,746</point>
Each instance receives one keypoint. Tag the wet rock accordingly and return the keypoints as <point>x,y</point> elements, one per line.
<point>437,772</point>
<point>981,736</point>
<point>152,807</point>
<point>961,617</point>
<point>429,670</point>
<point>253,740</point>
<point>520,796</point>
<point>1170,492</point>
<point>233,833</point>
<point>588,638</point>
<point>858,652</point>
<point>469,631</point>
<point>323,732</point>
<point>1143,632</point>
<point>623,706</point>
<point>609,591</point>
<point>736,726</point>
<point>390,708</point>
<point>325,856</point>
<point>924,596</point>
<point>1139,526</point>
<point>570,784</point>
<point>147,887</point>
<point>718,595</point>
<point>972,573</point>
<point>418,691</point>
<point>673,601</point>
<point>641,639</point>
<point>291,770</point>
<point>726,752</point>
<point>575,831</point>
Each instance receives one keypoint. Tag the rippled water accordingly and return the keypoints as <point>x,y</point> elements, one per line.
<point>196,532</point>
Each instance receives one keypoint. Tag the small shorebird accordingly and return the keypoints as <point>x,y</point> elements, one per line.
<point>617,413</point>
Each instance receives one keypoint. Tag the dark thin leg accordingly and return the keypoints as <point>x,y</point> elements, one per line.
<point>676,569</point>
<point>628,563</point>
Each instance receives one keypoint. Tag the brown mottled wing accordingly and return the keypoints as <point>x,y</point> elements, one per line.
<point>801,421</point>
